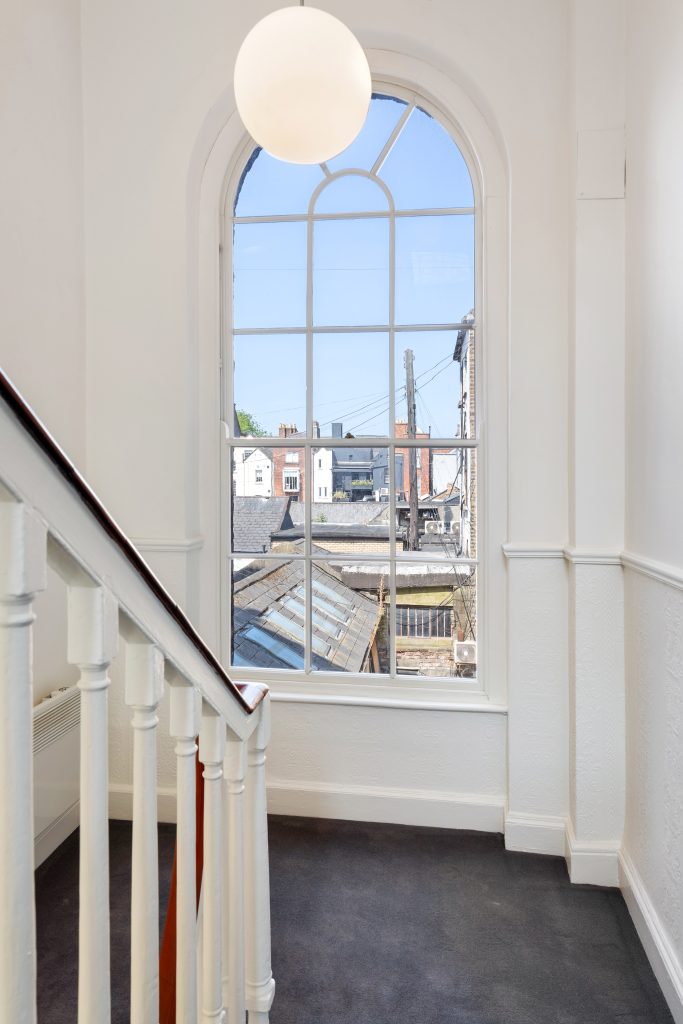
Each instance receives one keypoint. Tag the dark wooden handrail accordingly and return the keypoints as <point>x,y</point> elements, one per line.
<point>248,695</point>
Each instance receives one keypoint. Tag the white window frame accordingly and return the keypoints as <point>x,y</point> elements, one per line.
<point>487,165</point>
<point>293,474</point>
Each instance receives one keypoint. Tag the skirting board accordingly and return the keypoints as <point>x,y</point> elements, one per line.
<point>55,833</point>
<point>661,954</point>
<point>121,802</point>
<point>535,833</point>
<point>591,863</point>
<point>353,803</point>
<point>395,806</point>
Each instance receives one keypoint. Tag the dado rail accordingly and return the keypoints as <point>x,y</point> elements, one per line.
<point>49,515</point>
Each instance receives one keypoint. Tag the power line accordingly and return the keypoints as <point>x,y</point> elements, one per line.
<point>381,412</point>
<point>342,416</point>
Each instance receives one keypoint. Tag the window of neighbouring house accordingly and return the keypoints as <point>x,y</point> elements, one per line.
<point>353,283</point>
<point>291,480</point>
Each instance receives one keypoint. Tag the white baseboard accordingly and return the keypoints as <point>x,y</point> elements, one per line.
<point>660,952</point>
<point>121,802</point>
<point>353,803</point>
<point>535,833</point>
<point>591,862</point>
<point>397,806</point>
<point>56,832</point>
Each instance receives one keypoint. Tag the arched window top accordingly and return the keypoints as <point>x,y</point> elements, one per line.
<point>351,192</point>
<point>401,144</point>
<point>270,187</point>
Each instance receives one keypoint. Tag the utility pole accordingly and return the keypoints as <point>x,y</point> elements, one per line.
<point>413,533</point>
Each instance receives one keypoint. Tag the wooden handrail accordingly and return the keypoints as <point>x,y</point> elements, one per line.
<point>248,695</point>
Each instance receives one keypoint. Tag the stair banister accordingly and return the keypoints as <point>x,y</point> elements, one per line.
<point>50,516</point>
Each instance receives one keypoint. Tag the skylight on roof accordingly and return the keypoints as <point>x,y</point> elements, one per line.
<point>274,646</point>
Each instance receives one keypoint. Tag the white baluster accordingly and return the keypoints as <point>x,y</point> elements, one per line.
<point>144,689</point>
<point>22,574</point>
<point>184,731</point>
<point>260,986</point>
<point>234,767</point>
<point>93,641</point>
<point>211,753</point>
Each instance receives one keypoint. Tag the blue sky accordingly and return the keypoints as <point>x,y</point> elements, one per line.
<point>434,280</point>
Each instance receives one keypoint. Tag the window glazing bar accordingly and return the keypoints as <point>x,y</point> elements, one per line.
<point>361,441</point>
<point>389,145</point>
<point>356,329</point>
<point>297,218</point>
<point>353,559</point>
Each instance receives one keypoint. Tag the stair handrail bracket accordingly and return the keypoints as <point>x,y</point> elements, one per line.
<point>49,516</point>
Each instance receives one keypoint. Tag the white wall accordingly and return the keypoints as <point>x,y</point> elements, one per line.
<point>653,840</point>
<point>42,340</point>
<point>157,80</point>
<point>247,463</point>
<point>42,291</point>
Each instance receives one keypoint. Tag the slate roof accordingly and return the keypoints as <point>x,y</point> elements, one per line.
<point>340,511</point>
<point>268,623</point>
<point>260,450</point>
<point>255,519</point>
<point>338,531</point>
<point>408,574</point>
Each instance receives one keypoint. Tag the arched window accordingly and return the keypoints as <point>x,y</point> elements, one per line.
<point>351,351</point>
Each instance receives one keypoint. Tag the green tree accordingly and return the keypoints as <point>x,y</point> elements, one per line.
<point>248,425</point>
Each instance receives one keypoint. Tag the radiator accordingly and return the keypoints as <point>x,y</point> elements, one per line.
<point>56,740</point>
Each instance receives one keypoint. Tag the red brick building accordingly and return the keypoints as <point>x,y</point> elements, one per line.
<point>424,475</point>
<point>289,466</point>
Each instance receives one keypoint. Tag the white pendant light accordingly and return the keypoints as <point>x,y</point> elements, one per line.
<point>302,85</point>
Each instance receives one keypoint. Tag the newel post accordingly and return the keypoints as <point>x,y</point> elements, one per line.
<point>260,986</point>
<point>92,645</point>
<point>22,574</point>
<point>144,690</point>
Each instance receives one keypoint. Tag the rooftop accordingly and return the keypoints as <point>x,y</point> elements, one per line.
<point>255,519</point>
<point>268,618</point>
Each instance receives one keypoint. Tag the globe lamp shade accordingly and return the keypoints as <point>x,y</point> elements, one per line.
<point>302,85</point>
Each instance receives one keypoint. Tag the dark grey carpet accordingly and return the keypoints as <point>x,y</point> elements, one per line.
<point>382,924</point>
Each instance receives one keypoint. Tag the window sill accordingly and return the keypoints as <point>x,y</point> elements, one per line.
<point>355,691</point>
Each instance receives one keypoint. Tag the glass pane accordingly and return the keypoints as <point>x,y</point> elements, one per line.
<point>269,275</point>
<point>350,618</point>
<point>383,116</point>
<point>436,620</point>
<point>266,632</point>
<point>268,483</point>
<point>343,400</point>
<point>434,269</point>
<point>351,272</point>
<point>352,193</point>
<point>444,374</point>
<point>270,384</point>
<point>270,186</point>
<point>425,169</point>
<point>350,512</point>
<point>445,482</point>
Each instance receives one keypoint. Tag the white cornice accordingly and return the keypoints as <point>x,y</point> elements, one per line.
<point>591,556</point>
<point>672,575</point>
<point>175,546</point>
<point>530,550</point>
